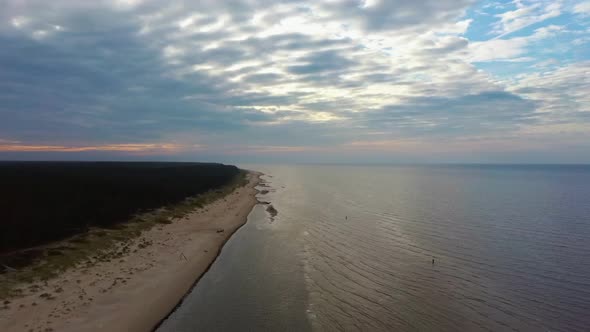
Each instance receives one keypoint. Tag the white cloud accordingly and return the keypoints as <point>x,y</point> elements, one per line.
<point>19,21</point>
<point>126,4</point>
<point>562,93</point>
<point>582,8</point>
<point>498,49</point>
<point>512,49</point>
<point>526,14</point>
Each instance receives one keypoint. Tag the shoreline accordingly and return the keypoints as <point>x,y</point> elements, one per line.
<point>217,253</point>
<point>136,291</point>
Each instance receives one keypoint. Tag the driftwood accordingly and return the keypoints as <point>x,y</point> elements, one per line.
<point>9,268</point>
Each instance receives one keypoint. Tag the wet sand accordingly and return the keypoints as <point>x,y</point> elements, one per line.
<point>136,291</point>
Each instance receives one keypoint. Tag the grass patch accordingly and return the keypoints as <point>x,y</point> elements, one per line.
<point>96,245</point>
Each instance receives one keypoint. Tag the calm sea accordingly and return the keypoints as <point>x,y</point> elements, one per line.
<point>352,248</point>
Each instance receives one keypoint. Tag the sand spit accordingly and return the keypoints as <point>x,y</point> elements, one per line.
<point>135,291</point>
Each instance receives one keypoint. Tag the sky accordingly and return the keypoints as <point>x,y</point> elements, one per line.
<point>376,81</point>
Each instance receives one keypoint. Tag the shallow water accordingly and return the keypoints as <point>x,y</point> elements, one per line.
<point>352,247</point>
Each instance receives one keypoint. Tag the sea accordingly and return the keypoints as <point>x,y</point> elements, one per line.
<point>404,248</point>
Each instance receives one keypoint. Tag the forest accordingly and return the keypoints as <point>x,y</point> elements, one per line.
<point>48,201</point>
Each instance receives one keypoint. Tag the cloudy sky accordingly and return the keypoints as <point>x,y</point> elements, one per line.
<point>306,81</point>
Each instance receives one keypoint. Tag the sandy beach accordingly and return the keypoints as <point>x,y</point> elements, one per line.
<point>136,291</point>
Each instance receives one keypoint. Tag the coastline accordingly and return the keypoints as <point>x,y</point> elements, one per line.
<point>136,291</point>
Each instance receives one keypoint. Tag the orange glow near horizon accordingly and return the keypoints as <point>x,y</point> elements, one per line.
<point>131,147</point>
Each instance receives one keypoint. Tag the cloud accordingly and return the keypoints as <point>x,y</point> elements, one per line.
<point>526,13</point>
<point>228,74</point>
<point>498,49</point>
<point>388,15</point>
<point>510,49</point>
<point>326,61</point>
<point>561,94</point>
<point>444,117</point>
<point>582,8</point>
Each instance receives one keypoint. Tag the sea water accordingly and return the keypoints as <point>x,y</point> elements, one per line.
<point>404,248</point>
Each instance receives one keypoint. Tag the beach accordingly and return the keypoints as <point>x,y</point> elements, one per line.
<point>136,290</point>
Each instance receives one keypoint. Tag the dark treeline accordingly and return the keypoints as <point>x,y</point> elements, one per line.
<point>46,201</point>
